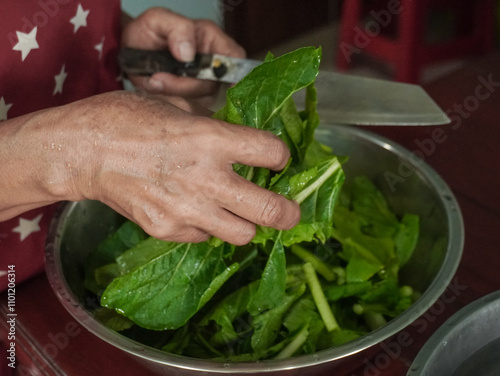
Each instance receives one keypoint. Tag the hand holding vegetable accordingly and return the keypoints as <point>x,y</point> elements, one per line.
<point>158,162</point>
<point>328,280</point>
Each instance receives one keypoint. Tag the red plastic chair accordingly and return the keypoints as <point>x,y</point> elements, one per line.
<point>395,32</point>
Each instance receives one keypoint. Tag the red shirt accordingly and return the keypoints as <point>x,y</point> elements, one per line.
<point>52,52</point>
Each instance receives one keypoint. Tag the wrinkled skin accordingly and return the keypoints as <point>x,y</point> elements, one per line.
<point>163,165</point>
<point>157,159</point>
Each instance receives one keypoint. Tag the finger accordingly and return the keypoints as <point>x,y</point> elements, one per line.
<point>187,235</point>
<point>258,205</point>
<point>167,229</point>
<point>179,33</point>
<point>161,28</point>
<point>227,227</point>
<point>180,86</point>
<point>211,38</point>
<point>254,147</point>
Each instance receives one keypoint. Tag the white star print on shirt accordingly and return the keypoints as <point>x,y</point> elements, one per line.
<point>27,227</point>
<point>26,42</point>
<point>80,19</point>
<point>59,78</point>
<point>99,47</point>
<point>4,108</point>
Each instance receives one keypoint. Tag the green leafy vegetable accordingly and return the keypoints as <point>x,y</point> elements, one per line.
<point>327,281</point>
<point>179,279</point>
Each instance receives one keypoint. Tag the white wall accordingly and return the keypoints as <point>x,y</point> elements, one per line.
<point>191,8</point>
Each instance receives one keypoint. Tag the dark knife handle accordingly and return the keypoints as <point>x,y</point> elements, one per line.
<point>136,62</point>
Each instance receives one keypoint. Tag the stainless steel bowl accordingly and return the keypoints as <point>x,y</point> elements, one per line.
<point>467,344</point>
<point>409,184</point>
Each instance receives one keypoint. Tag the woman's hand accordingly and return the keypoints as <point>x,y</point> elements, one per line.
<point>158,161</point>
<point>160,28</point>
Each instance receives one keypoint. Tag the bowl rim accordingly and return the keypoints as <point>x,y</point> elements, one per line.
<point>426,300</point>
<point>465,317</point>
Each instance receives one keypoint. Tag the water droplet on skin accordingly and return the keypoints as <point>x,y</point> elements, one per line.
<point>157,183</point>
<point>53,146</point>
<point>68,165</point>
<point>59,147</point>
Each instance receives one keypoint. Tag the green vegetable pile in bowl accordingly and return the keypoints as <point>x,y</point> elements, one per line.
<point>372,252</point>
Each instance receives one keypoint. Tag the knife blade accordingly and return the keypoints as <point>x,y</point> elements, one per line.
<point>345,99</point>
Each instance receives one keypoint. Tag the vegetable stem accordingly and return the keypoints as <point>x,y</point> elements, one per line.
<point>321,267</point>
<point>305,193</point>
<point>295,344</point>
<point>320,299</point>
<point>374,320</point>
<point>340,273</point>
<point>205,344</point>
<point>406,291</point>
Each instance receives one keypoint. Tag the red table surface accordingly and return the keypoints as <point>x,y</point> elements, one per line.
<point>50,342</point>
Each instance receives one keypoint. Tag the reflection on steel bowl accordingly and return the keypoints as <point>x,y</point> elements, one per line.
<point>79,227</point>
<point>467,344</point>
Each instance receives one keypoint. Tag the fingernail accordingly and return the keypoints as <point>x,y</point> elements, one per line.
<point>186,51</point>
<point>155,84</point>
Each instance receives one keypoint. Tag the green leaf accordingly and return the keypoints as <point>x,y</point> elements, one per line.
<point>373,239</point>
<point>386,292</point>
<point>143,253</point>
<point>179,341</point>
<point>227,311</point>
<point>407,237</point>
<point>112,319</point>
<point>338,338</point>
<point>104,275</point>
<point>304,314</point>
<point>263,100</point>
<point>349,227</point>
<point>259,96</point>
<point>301,314</point>
<point>374,213</point>
<point>362,264</point>
<point>271,291</point>
<point>335,293</point>
<point>316,190</point>
<point>127,236</point>
<point>267,325</point>
<point>167,290</point>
